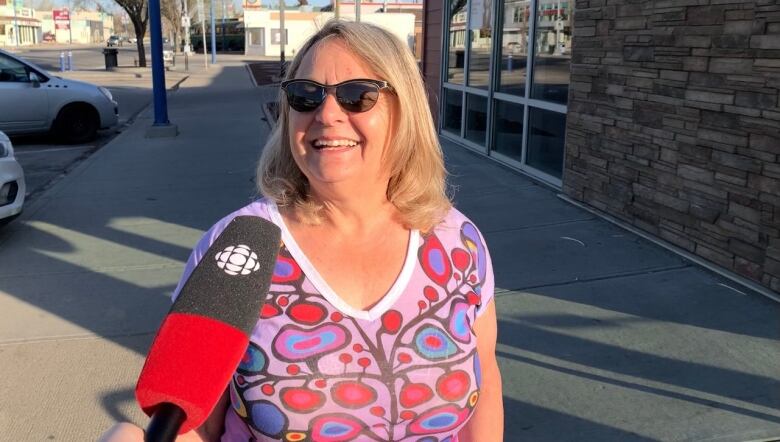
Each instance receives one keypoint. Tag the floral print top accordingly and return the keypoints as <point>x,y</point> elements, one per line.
<point>406,369</point>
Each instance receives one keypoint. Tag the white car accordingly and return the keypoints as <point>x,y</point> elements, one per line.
<point>34,101</point>
<point>12,188</point>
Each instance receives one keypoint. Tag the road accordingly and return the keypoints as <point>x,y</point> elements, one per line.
<point>41,157</point>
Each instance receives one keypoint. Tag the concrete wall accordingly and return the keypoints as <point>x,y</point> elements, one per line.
<point>674,124</point>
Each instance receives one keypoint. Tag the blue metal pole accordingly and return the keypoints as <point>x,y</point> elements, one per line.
<point>213,36</point>
<point>158,73</point>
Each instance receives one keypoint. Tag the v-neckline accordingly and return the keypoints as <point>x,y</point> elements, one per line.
<point>379,308</point>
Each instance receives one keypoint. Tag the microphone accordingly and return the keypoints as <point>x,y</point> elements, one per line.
<point>205,334</point>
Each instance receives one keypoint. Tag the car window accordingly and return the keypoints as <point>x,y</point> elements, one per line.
<point>12,71</point>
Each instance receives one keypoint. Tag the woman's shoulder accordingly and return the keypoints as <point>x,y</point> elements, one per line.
<point>453,222</point>
<point>263,208</point>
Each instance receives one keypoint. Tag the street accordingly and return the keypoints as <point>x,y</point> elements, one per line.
<point>43,159</point>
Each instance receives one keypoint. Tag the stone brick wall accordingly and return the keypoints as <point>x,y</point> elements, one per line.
<point>674,124</point>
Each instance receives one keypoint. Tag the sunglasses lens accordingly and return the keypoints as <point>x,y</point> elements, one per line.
<point>357,97</point>
<point>304,97</point>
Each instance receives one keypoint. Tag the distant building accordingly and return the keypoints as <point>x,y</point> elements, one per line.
<point>263,36</point>
<point>21,27</point>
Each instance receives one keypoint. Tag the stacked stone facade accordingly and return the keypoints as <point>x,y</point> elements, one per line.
<point>674,125</point>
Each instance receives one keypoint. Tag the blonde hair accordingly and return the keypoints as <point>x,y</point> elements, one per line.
<point>417,186</point>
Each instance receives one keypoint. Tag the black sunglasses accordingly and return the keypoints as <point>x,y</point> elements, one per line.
<point>358,95</point>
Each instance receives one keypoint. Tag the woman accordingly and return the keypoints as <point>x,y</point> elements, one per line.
<point>379,324</point>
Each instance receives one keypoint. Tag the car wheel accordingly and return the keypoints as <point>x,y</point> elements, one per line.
<point>77,123</point>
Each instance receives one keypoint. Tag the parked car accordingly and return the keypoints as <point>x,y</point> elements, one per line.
<point>113,41</point>
<point>35,101</point>
<point>12,188</point>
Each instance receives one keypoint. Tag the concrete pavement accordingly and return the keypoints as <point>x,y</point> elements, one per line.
<point>602,335</point>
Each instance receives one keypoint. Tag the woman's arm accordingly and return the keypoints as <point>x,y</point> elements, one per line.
<point>487,422</point>
<point>210,431</point>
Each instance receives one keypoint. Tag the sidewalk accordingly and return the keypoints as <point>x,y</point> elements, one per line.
<point>602,335</point>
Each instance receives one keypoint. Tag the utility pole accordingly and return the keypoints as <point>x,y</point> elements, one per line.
<point>336,8</point>
<point>70,24</point>
<point>186,23</point>
<point>213,36</point>
<point>282,34</point>
<point>203,32</point>
<point>224,48</point>
<point>162,127</point>
<point>357,10</point>
<point>16,25</point>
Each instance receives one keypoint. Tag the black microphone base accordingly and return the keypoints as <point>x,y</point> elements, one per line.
<point>165,423</point>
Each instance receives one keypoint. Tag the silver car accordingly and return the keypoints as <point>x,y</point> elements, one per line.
<point>34,101</point>
<point>12,188</point>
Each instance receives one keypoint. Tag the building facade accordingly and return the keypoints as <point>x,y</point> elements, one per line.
<point>662,114</point>
<point>262,26</point>
<point>18,25</point>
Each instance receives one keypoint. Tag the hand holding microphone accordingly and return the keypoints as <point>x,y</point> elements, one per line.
<point>201,341</point>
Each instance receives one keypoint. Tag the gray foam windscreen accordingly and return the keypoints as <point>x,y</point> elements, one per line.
<point>233,277</point>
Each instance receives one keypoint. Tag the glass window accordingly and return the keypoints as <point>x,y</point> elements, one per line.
<point>11,71</point>
<point>514,47</point>
<point>453,111</point>
<point>508,139</point>
<point>553,51</point>
<point>481,34</point>
<point>456,46</point>
<point>546,141</point>
<point>476,118</point>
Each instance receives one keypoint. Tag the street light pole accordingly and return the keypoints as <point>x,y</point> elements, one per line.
<point>213,36</point>
<point>162,127</point>
<point>224,48</point>
<point>16,24</point>
<point>203,32</point>
<point>187,47</point>
<point>70,25</point>
<point>357,10</point>
<point>282,34</point>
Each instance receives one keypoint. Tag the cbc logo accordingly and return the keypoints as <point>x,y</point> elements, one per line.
<point>235,260</point>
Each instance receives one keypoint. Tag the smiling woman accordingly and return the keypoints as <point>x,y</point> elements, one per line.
<point>365,52</point>
<point>379,324</point>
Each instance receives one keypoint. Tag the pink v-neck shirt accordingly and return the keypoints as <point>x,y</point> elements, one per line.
<point>319,370</point>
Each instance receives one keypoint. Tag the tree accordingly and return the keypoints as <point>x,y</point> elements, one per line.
<point>171,11</point>
<point>43,5</point>
<point>138,11</point>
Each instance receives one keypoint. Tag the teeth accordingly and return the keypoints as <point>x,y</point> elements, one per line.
<point>334,143</point>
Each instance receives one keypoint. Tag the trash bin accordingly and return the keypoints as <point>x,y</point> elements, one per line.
<point>110,55</point>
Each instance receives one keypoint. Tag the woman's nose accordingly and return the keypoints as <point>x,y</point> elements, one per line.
<point>329,111</point>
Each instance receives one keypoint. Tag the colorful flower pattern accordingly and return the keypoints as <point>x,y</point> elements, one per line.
<point>315,373</point>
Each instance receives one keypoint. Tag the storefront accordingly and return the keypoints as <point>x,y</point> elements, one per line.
<point>662,115</point>
<point>21,29</point>
<point>501,95</point>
